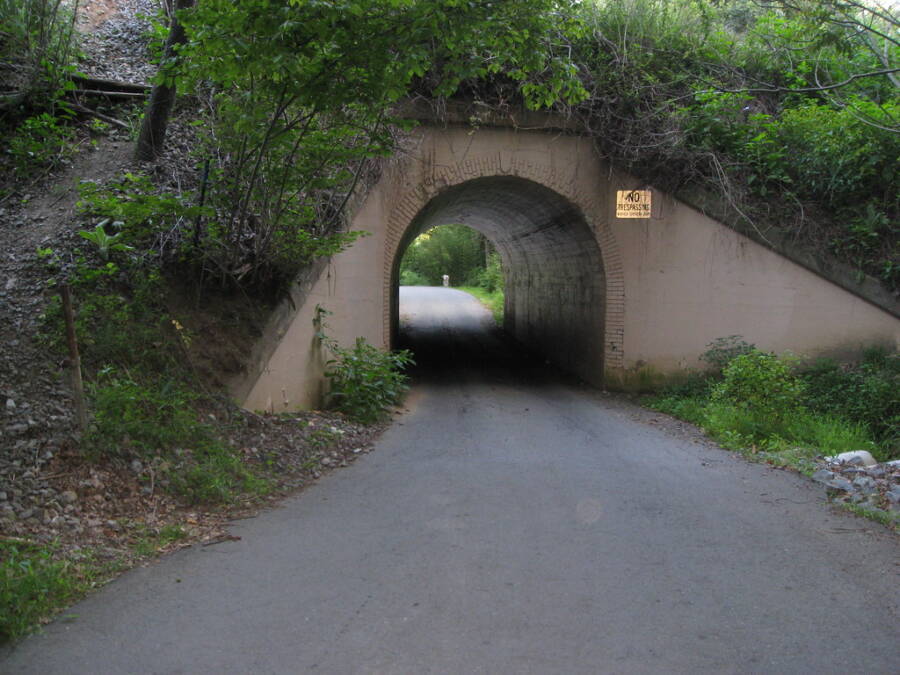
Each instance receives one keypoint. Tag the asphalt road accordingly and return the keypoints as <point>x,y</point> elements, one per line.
<point>511,522</point>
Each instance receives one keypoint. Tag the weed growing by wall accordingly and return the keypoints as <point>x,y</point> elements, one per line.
<point>364,381</point>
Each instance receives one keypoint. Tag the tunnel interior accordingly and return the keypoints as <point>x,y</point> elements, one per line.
<point>554,277</point>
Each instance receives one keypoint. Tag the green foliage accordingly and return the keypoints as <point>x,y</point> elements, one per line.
<point>159,420</point>
<point>410,277</point>
<point>38,143</point>
<point>763,408</point>
<point>121,319</point>
<point>143,418</point>
<point>141,212</point>
<point>839,158</point>
<point>489,277</point>
<point>105,242</point>
<point>139,378</point>
<point>303,101</point>
<point>35,581</point>
<point>213,472</point>
<point>762,384</point>
<point>867,393</point>
<point>32,585</point>
<point>764,103</point>
<point>364,380</point>
<point>37,53</point>
<point>691,409</point>
<point>455,250</point>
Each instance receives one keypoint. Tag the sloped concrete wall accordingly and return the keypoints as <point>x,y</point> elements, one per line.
<point>691,280</point>
<point>670,284</point>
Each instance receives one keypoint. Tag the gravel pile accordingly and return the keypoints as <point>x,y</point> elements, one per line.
<point>115,39</point>
<point>874,487</point>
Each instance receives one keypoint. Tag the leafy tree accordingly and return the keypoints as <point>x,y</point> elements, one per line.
<point>455,250</point>
<point>300,94</point>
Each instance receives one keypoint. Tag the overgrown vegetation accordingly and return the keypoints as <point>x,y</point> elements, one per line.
<point>786,109</point>
<point>787,411</point>
<point>34,582</point>
<point>364,381</point>
<point>147,402</point>
<point>37,57</point>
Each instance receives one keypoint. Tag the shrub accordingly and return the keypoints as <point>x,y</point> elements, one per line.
<point>867,393</point>
<point>760,384</point>
<point>32,585</point>
<point>412,278</point>
<point>39,142</point>
<point>365,380</point>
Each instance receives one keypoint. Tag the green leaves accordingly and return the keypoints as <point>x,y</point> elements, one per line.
<point>761,383</point>
<point>365,381</point>
<point>303,93</point>
<point>105,242</point>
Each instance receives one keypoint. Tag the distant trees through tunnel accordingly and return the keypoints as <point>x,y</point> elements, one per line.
<point>465,255</point>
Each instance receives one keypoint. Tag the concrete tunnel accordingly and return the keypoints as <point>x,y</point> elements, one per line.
<point>555,282</point>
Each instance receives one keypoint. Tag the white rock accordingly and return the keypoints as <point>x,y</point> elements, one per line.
<point>863,457</point>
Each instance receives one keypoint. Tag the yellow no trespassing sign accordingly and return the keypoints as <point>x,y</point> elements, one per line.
<point>633,203</point>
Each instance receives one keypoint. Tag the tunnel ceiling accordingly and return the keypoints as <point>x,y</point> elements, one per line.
<point>527,222</point>
<point>555,283</point>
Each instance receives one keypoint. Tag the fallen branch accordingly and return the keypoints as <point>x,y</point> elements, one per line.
<point>221,540</point>
<point>109,85</point>
<point>100,116</point>
<point>127,95</point>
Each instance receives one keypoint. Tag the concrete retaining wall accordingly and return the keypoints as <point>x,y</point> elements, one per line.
<point>612,300</point>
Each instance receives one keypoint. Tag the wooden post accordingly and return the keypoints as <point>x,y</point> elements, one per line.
<point>77,385</point>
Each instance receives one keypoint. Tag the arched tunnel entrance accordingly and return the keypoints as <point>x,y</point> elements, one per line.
<point>554,276</point>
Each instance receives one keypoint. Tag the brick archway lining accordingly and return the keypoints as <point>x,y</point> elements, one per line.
<point>416,198</point>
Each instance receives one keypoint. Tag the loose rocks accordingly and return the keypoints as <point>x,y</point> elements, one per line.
<point>875,487</point>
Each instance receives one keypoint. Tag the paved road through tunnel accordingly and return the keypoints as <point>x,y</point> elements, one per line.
<point>511,521</point>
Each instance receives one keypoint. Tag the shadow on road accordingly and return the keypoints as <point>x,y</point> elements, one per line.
<point>454,339</point>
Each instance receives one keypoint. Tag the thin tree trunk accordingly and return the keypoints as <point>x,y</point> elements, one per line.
<point>162,98</point>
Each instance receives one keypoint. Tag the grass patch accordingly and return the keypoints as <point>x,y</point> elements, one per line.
<point>493,300</point>
<point>886,519</point>
<point>149,541</point>
<point>794,441</point>
<point>774,410</point>
<point>35,583</point>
